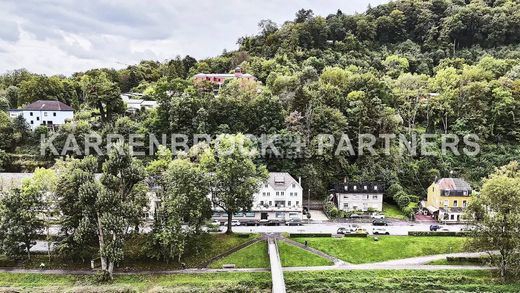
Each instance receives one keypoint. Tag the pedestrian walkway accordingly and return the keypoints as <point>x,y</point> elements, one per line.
<point>278,283</point>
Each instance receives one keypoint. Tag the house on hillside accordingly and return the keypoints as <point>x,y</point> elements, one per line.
<point>44,112</point>
<point>220,78</point>
<point>359,196</point>
<point>447,199</point>
<point>280,198</point>
<point>135,103</point>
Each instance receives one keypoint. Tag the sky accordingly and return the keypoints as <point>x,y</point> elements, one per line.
<point>66,36</point>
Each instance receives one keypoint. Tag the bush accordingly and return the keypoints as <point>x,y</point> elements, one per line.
<point>403,201</point>
<point>467,259</point>
<point>437,233</point>
<point>296,235</point>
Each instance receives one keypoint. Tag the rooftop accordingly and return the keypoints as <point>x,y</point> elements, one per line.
<point>47,105</point>
<point>281,180</point>
<point>453,184</point>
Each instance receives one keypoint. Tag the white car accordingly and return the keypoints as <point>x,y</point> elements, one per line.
<point>380,231</point>
<point>215,222</point>
<point>377,216</point>
<point>235,223</point>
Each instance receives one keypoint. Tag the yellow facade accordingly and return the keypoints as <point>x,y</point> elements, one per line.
<point>436,200</point>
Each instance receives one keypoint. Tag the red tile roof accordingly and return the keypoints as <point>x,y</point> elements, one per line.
<point>46,105</point>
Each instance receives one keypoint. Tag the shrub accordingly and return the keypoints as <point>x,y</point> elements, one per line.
<point>437,233</point>
<point>403,201</point>
<point>296,235</point>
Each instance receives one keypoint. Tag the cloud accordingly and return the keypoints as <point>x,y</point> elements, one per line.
<point>62,37</point>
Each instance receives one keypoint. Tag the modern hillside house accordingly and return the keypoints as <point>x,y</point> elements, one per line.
<point>359,196</point>
<point>135,102</point>
<point>447,199</point>
<point>44,112</point>
<point>279,199</point>
<point>220,78</point>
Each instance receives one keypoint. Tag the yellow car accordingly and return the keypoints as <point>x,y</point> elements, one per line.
<point>361,231</point>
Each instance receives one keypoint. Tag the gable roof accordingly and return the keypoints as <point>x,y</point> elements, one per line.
<point>47,105</point>
<point>281,180</point>
<point>453,184</point>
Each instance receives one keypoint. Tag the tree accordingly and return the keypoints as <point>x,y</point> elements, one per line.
<point>497,219</point>
<point>42,187</point>
<point>234,175</point>
<point>105,209</point>
<point>184,208</point>
<point>104,95</point>
<point>20,223</point>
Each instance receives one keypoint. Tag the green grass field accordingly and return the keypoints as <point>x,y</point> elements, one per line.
<point>252,256</point>
<point>210,245</point>
<point>366,250</point>
<point>292,256</point>
<point>393,211</point>
<point>326,281</point>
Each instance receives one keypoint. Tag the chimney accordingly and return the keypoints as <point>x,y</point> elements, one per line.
<point>345,179</point>
<point>300,180</point>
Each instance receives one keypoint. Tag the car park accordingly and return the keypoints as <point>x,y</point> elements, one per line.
<point>380,231</point>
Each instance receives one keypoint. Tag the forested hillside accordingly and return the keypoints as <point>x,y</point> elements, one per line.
<point>406,67</point>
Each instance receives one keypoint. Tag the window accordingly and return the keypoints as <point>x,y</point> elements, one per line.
<point>280,215</point>
<point>282,193</point>
<point>346,187</point>
<point>446,203</point>
<point>293,185</point>
<point>261,202</point>
<point>455,203</point>
<point>375,187</point>
<point>263,193</point>
<point>365,187</point>
<point>366,196</point>
<point>32,122</point>
<point>270,203</point>
<point>374,197</point>
<point>355,187</point>
<point>45,114</point>
<point>238,215</point>
<point>277,193</point>
<point>31,113</point>
<point>452,217</point>
<point>345,197</point>
<point>268,193</point>
<point>289,203</point>
<point>54,114</point>
<point>465,193</point>
<point>37,118</point>
<point>266,185</point>
<point>250,214</point>
<point>297,203</point>
<point>464,203</point>
<point>345,205</point>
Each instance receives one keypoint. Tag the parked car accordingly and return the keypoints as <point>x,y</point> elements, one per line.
<point>444,230</point>
<point>361,231</point>
<point>294,222</point>
<point>380,231</point>
<point>355,216</point>
<point>235,223</point>
<point>377,216</point>
<point>343,231</point>
<point>379,222</point>
<point>435,227</point>
<point>468,229</point>
<point>215,222</point>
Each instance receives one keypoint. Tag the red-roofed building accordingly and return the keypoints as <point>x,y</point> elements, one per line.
<point>44,112</point>
<point>220,78</point>
<point>447,199</point>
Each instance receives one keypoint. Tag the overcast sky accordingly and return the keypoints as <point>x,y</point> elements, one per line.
<point>66,36</point>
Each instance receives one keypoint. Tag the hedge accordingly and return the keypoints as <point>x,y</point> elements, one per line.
<point>294,235</point>
<point>437,233</point>
<point>467,259</point>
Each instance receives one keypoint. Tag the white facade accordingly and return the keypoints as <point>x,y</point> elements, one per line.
<point>47,113</point>
<point>359,197</point>
<point>134,105</point>
<point>280,198</point>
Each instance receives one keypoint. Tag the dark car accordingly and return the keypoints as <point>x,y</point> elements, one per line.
<point>435,227</point>
<point>379,222</point>
<point>294,222</point>
<point>343,231</point>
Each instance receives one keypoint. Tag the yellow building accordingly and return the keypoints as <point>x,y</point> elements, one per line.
<point>447,199</point>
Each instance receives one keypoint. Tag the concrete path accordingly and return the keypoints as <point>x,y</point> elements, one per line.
<point>278,283</point>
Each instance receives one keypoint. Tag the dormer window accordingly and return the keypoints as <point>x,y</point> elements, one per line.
<point>365,187</point>
<point>355,187</point>
<point>293,185</point>
<point>375,187</point>
<point>346,187</point>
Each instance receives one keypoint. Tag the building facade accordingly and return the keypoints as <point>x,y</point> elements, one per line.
<point>43,112</point>
<point>134,102</point>
<point>280,198</point>
<point>220,78</point>
<point>359,196</point>
<point>448,198</point>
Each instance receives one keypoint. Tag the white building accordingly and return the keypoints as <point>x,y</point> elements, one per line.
<point>280,198</point>
<point>44,112</point>
<point>359,196</point>
<point>135,104</point>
